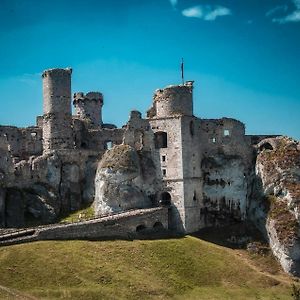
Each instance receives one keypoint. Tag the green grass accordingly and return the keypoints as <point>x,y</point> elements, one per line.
<point>79,215</point>
<point>183,268</point>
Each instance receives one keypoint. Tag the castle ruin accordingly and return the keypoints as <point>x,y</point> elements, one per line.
<point>202,167</point>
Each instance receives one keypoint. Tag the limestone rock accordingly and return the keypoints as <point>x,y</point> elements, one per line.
<point>278,168</point>
<point>124,180</point>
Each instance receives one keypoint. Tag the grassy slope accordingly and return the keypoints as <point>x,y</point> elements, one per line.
<point>185,268</point>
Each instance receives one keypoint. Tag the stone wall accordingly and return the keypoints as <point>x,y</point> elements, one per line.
<point>127,225</point>
<point>22,142</point>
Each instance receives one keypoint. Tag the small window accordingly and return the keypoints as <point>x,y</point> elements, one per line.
<point>161,139</point>
<point>214,140</point>
<point>164,172</point>
<point>163,158</point>
<point>194,196</point>
<point>226,132</point>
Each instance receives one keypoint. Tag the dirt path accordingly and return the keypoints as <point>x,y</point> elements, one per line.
<point>13,294</point>
<point>281,277</point>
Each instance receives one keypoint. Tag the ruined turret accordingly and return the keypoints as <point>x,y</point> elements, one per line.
<point>57,118</point>
<point>88,107</point>
<point>173,100</point>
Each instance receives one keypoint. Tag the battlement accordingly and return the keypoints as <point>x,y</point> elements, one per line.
<point>90,96</point>
<point>56,72</point>
<point>88,107</point>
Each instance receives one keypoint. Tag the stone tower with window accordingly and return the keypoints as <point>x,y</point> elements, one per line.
<point>57,117</point>
<point>177,154</point>
<point>88,107</point>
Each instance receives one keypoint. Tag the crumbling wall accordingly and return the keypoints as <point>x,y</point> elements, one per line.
<point>22,142</point>
<point>138,133</point>
<point>228,171</point>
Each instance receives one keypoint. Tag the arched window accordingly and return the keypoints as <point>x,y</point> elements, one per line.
<point>161,139</point>
<point>165,199</point>
<point>266,146</point>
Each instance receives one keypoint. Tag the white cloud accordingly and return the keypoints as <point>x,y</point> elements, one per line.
<point>173,2</point>
<point>292,17</point>
<point>206,12</point>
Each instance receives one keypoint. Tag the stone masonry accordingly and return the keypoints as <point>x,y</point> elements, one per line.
<point>202,170</point>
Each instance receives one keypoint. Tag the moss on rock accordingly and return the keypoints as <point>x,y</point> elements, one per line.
<point>120,157</point>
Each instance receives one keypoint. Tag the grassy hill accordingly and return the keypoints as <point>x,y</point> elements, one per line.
<point>178,268</point>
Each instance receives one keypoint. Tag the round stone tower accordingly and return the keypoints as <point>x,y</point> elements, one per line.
<point>57,118</point>
<point>89,107</point>
<point>174,100</point>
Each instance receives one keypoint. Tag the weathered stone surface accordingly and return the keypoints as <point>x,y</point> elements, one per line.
<point>123,181</point>
<point>225,189</point>
<point>278,168</point>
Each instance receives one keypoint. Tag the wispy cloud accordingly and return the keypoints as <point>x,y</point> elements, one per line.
<point>30,78</point>
<point>294,16</point>
<point>206,12</point>
<point>173,3</point>
<point>277,9</point>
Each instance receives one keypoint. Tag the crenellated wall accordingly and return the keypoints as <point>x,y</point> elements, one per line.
<point>88,107</point>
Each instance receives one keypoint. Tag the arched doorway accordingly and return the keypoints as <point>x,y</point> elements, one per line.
<point>140,228</point>
<point>165,199</point>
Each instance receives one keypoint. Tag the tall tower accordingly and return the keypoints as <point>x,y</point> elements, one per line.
<point>177,154</point>
<point>57,118</point>
<point>89,107</point>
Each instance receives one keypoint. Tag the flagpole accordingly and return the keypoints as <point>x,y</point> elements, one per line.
<point>182,70</point>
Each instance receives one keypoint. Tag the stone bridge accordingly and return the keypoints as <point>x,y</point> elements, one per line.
<point>125,225</point>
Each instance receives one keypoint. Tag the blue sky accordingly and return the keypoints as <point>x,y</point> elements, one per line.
<point>243,55</point>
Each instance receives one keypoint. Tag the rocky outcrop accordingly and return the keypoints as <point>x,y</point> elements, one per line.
<point>278,169</point>
<point>40,189</point>
<point>225,189</point>
<point>125,179</point>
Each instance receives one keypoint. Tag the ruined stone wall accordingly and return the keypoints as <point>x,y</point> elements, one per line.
<point>23,142</point>
<point>138,133</point>
<point>227,170</point>
<point>88,107</point>
<point>101,139</point>
<point>57,119</point>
